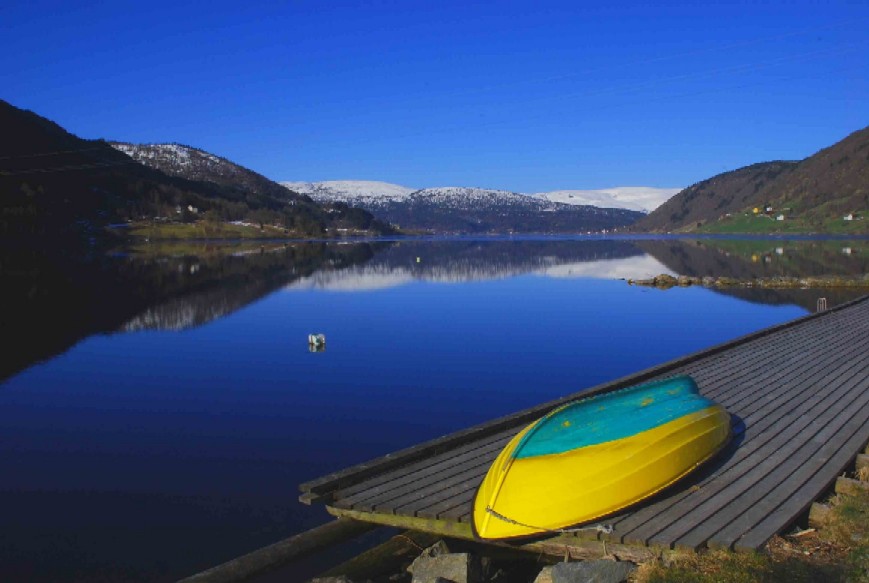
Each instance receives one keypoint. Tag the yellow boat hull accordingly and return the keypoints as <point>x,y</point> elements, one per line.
<point>532,495</point>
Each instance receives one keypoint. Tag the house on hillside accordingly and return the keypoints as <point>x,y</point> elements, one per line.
<point>848,217</point>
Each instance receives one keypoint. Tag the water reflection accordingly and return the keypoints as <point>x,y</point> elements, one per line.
<point>198,417</point>
<point>53,301</point>
<point>763,258</point>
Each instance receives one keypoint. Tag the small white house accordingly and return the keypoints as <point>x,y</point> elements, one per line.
<point>849,217</point>
<point>780,218</point>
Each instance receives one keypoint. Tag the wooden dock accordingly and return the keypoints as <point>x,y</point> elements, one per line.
<point>798,394</point>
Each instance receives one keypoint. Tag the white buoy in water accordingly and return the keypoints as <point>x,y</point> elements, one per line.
<point>316,339</point>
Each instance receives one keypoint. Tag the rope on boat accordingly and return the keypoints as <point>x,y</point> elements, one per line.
<point>604,528</point>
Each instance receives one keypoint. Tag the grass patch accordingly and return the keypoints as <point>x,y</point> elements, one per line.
<point>730,567</point>
<point>203,230</point>
<point>766,225</point>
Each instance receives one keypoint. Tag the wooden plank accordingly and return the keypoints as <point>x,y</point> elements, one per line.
<point>761,354</point>
<point>456,505</point>
<point>408,500</point>
<point>323,486</point>
<point>797,470</point>
<point>441,527</point>
<point>809,350</point>
<point>369,493</point>
<point>751,359</point>
<point>799,502</point>
<point>766,415</point>
<point>282,553</point>
<point>741,386</point>
<point>746,384</point>
<point>381,561</point>
<point>748,498</point>
<point>469,449</point>
<point>748,456</point>
<point>559,546</point>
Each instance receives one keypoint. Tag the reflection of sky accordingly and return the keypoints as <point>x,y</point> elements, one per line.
<point>374,277</point>
<point>205,433</point>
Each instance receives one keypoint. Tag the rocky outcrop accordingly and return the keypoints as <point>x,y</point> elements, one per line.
<point>665,281</point>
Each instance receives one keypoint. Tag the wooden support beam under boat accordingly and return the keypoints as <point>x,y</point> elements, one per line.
<point>564,546</point>
<point>282,553</point>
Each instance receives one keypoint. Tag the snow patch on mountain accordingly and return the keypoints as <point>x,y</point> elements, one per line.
<point>177,154</point>
<point>471,197</point>
<point>636,198</point>
<point>351,191</point>
<point>368,193</point>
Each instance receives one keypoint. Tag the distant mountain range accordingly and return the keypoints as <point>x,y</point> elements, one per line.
<point>54,183</point>
<point>198,165</point>
<point>474,210</point>
<point>364,192</point>
<point>636,198</point>
<point>826,192</point>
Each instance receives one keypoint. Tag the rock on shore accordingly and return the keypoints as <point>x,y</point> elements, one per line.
<point>665,281</point>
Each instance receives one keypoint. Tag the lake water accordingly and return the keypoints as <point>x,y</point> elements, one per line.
<point>159,407</point>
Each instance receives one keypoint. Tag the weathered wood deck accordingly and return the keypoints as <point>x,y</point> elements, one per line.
<point>799,397</point>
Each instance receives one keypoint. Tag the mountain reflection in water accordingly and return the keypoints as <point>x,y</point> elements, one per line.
<point>159,406</point>
<point>174,287</point>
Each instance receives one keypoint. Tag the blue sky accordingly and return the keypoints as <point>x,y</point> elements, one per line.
<point>524,96</point>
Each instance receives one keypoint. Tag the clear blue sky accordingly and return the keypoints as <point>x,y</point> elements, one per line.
<point>525,96</point>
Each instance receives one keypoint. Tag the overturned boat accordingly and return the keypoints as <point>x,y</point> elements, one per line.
<point>594,456</point>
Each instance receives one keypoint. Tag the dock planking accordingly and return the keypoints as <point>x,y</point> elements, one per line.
<point>798,394</point>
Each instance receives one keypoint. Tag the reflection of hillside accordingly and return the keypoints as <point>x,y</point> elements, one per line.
<point>750,259</point>
<point>463,261</point>
<point>54,302</point>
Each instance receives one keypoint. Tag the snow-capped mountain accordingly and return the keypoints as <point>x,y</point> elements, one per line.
<point>367,193</point>
<point>637,198</point>
<point>352,192</point>
<point>476,198</point>
<point>195,164</point>
<point>250,191</point>
<point>466,209</point>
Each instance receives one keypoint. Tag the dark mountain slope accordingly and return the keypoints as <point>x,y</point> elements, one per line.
<point>54,184</point>
<point>833,182</point>
<point>810,194</point>
<point>236,181</point>
<point>195,164</point>
<point>725,193</point>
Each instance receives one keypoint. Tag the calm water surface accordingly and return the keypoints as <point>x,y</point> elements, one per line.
<point>160,407</point>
